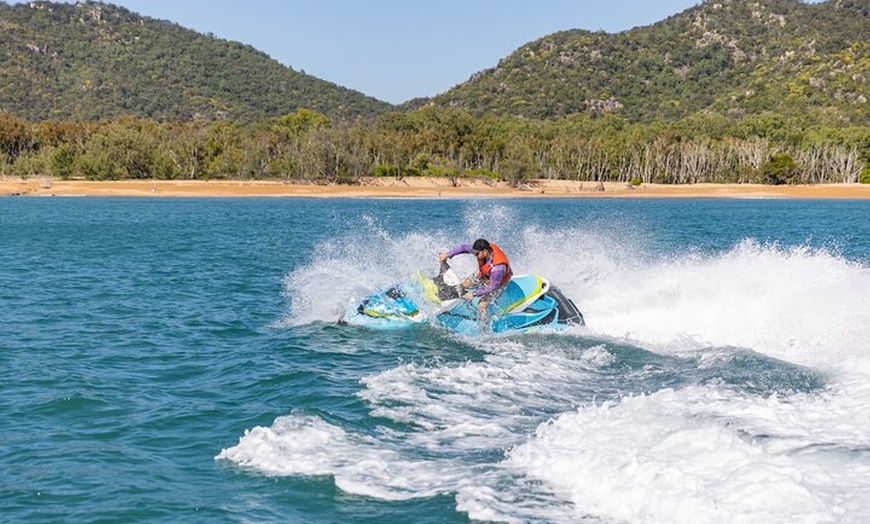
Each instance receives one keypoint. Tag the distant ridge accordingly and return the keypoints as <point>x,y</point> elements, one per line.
<point>92,60</point>
<point>734,57</point>
<point>805,62</point>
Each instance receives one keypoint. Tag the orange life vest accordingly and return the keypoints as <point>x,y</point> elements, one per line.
<point>498,257</point>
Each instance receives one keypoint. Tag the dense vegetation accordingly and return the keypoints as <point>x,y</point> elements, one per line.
<point>809,62</point>
<point>88,61</point>
<point>307,146</point>
<point>764,91</point>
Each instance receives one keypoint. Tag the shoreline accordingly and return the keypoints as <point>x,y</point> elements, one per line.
<point>428,187</point>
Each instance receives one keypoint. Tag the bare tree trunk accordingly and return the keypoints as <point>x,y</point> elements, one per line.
<point>752,154</point>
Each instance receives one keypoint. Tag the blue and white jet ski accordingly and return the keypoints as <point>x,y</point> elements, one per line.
<point>528,304</point>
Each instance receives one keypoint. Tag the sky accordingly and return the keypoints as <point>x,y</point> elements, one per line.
<point>396,50</point>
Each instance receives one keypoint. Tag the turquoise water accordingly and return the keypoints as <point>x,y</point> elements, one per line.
<point>178,360</point>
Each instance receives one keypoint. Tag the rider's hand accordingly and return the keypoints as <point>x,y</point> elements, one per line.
<point>468,296</point>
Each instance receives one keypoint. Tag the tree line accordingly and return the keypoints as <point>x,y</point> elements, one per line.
<point>307,147</point>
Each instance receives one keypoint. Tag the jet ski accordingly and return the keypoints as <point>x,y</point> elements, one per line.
<point>528,304</point>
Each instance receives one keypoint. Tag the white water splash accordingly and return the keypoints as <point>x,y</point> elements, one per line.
<point>699,454</point>
<point>704,455</point>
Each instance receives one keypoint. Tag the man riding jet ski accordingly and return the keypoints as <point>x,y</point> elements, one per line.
<point>517,304</point>
<point>493,274</point>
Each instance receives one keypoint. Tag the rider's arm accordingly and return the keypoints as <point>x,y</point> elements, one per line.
<point>495,277</point>
<point>458,250</point>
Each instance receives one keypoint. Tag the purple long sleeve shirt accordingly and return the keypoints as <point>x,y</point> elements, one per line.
<point>495,275</point>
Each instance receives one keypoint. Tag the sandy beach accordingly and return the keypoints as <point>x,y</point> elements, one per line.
<point>417,188</point>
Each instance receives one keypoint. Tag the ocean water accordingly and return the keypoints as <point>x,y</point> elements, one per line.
<point>179,360</point>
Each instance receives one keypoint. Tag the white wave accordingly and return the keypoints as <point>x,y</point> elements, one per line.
<point>307,445</point>
<point>804,306</point>
<point>472,406</point>
<point>460,418</point>
<point>704,455</point>
<point>699,454</point>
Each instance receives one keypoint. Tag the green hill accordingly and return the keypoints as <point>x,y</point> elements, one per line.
<point>91,60</point>
<point>804,62</point>
<point>733,57</point>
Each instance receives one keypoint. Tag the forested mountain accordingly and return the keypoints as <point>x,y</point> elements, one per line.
<point>730,91</point>
<point>90,60</point>
<point>732,57</point>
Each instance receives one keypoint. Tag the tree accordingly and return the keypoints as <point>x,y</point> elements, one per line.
<point>15,136</point>
<point>780,169</point>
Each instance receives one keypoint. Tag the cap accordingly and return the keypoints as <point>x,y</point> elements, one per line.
<point>479,245</point>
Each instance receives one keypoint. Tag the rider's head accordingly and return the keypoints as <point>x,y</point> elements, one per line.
<point>480,246</point>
